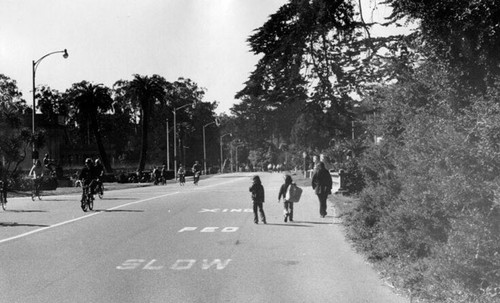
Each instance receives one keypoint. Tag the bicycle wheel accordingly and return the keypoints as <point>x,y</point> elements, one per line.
<point>84,205</point>
<point>84,202</point>
<point>91,203</point>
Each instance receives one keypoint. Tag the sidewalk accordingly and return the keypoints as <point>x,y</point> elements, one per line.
<point>78,190</point>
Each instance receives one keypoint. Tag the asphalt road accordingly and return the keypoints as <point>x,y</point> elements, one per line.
<point>180,244</point>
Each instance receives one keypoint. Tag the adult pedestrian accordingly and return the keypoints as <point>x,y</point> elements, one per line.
<point>322,185</point>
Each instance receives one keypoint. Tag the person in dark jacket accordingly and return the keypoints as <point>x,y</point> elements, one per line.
<point>288,206</point>
<point>322,185</point>
<point>257,191</point>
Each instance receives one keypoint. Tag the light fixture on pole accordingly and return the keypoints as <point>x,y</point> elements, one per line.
<point>216,122</point>
<point>175,136</point>
<point>221,156</point>
<point>34,67</point>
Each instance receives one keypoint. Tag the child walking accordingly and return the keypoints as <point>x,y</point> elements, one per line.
<point>288,206</point>
<point>257,191</point>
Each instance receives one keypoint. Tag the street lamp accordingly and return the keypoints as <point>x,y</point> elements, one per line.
<point>34,67</point>
<point>304,155</point>
<point>238,144</point>
<point>221,156</point>
<point>216,122</point>
<point>175,136</point>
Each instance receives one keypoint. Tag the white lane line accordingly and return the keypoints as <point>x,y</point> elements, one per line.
<point>97,213</point>
<point>81,218</point>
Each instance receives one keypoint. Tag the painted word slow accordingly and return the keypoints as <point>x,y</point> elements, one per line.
<point>181,264</point>
<point>210,229</point>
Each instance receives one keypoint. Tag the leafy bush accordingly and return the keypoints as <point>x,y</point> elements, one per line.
<point>430,213</point>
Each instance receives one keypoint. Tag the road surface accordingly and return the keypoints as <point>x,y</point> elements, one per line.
<point>180,244</point>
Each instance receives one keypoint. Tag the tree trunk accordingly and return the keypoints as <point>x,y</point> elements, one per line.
<point>100,145</point>
<point>144,139</point>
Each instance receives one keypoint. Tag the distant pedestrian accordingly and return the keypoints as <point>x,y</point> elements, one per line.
<point>257,191</point>
<point>288,205</point>
<point>322,185</point>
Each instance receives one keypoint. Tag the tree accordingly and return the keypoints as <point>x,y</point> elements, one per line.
<point>315,56</point>
<point>463,35</point>
<point>51,104</point>
<point>15,139</point>
<point>88,102</point>
<point>144,92</point>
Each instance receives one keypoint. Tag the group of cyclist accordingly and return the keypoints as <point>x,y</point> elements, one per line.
<point>91,175</point>
<point>196,169</point>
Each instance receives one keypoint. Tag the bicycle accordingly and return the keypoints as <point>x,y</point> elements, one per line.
<point>3,195</point>
<point>99,189</point>
<point>196,177</point>
<point>182,180</point>
<point>87,202</point>
<point>36,189</point>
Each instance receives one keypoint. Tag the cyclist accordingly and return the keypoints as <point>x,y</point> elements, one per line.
<point>48,163</point>
<point>3,182</point>
<point>87,176</point>
<point>98,174</point>
<point>182,175</point>
<point>37,173</point>
<point>196,171</point>
<point>163,174</point>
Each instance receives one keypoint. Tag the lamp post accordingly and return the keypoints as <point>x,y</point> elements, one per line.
<point>168,147</point>
<point>175,136</point>
<point>216,122</point>
<point>304,155</point>
<point>238,144</point>
<point>34,67</point>
<point>221,156</point>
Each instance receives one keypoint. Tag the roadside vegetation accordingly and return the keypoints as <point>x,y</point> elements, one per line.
<point>412,119</point>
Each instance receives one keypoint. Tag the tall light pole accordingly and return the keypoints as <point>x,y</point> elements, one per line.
<point>216,122</point>
<point>221,156</point>
<point>34,67</point>
<point>168,147</point>
<point>175,136</point>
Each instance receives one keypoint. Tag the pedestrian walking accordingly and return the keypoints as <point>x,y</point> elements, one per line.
<point>287,205</point>
<point>322,185</point>
<point>257,191</point>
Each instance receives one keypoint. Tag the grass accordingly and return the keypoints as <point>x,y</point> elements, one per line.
<point>343,204</point>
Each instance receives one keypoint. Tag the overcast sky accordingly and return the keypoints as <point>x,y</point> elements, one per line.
<point>109,40</point>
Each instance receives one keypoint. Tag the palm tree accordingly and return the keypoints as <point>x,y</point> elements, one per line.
<point>145,92</point>
<point>89,100</point>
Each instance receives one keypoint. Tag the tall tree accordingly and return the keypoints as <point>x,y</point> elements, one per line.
<point>144,92</point>
<point>316,52</point>
<point>88,102</point>
<point>14,139</point>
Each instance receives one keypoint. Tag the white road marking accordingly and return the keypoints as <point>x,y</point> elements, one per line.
<point>97,213</point>
<point>180,264</point>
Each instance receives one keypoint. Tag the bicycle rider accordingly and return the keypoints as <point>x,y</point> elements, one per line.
<point>196,171</point>
<point>87,176</point>
<point>181,172</point>
<point>164,174</point>
<point>98,172</point>
<point>3,182</point>
<point>37,173</point>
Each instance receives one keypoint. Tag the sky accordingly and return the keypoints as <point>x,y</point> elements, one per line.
<point>110,40</point>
